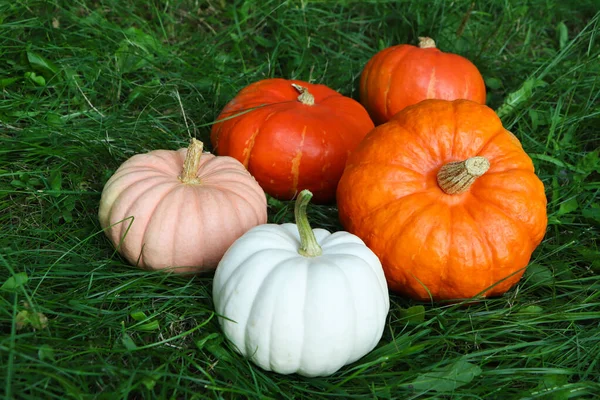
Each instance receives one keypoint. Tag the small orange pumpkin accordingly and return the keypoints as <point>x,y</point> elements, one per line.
<point>179,209</point>
<point>291,135</point>
<point>403,75</point>
<point>447,199</point>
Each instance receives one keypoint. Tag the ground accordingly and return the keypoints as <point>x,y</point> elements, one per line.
<point>86,84</point>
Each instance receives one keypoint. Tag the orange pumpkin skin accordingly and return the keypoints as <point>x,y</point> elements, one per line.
<point>447,246</point>
<point>403,75</point>
<point>289,146</point>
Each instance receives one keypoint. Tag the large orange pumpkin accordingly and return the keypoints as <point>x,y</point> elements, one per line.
<point>403,75</point>
<point>447,199</point>
<point>291,135</point>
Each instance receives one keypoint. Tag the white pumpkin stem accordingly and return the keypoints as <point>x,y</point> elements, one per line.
<point>309,247</point>
<point>189,174</point>
<point>305,96</point>
<point>426,42</point>
<point>457,177</point>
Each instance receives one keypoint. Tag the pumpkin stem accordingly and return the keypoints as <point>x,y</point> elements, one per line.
<point>309,247</point>
<point>305,96</point>
<point>426,42</point>
<point>457,177</point>
<point>189,174</point>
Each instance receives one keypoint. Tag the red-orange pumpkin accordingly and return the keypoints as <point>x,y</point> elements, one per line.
<point>403,75</point>
<point>447,199</point>
<point>291,135</point>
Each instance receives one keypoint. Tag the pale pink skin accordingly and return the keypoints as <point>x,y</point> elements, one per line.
<point>186,227</point>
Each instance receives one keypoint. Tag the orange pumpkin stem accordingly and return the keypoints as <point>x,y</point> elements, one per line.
<point>458,176</point>
<point>309,247</point>
<point>426,42</point>
<point>305,96</point>
<point>191,163</point>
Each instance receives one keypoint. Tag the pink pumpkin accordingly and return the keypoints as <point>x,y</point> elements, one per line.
<point>179,209</point>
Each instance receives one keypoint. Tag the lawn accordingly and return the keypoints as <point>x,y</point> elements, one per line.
<point>84,85</point>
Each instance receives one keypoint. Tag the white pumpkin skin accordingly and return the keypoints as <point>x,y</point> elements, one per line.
<point>294,314</point>
<point>185,227</point>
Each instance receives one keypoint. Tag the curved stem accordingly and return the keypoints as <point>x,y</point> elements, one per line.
<point>458,176</point>
<point>305,96</point>
<point>309,247</point>
<point>189,174</point>
<point>426,42</point>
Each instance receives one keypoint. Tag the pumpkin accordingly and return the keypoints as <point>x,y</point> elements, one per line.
<point>447,199</point>
<point>298,300</point>
<point>291,135</point>
<point>179,209</point>
<point>403,75</point>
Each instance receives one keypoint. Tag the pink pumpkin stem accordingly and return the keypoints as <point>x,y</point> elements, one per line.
<point>189,174</point>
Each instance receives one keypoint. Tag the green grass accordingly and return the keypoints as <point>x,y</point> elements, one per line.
<point>86,84</point>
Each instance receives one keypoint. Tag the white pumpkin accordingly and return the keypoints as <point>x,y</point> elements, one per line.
<point>297,300</point>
